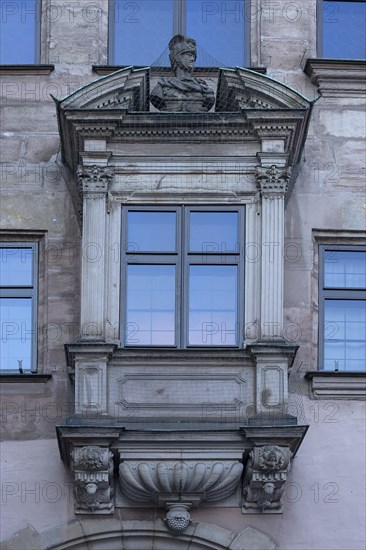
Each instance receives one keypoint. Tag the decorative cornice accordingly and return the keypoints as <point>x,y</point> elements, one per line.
<point>264,478</point>
<point>337,385</point>
<point>338,77</point>
<point>93,479</point>
<point>273,182</point>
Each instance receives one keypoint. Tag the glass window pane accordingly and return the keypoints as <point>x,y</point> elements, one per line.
<point>344,269</point>
<point>151,231</point>
<point>17,31</point>
<point>16,333</point>
<point>214,232</point>
<point>344,29</point>
<point>16,266</point>
<point>213,305</point>
<point>223,21</point>
<point>150,316</point>
<point>345,335</point>
<point>143,29</point>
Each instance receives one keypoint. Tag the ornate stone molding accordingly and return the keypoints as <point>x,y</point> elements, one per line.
<point>264,478</point>
<point>273,182</point>
<point>179,485</point>
<point>93,477</point>
<point>338,77</point>
<point>94,179</point>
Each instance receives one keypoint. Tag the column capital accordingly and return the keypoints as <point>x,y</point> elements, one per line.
<point>94,179</point>
<point>273,182</point>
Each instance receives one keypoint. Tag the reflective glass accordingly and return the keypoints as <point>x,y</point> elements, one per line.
<point>345,335</point>
<point>213,232</point>
<point>17,31</point>
<point>344,269</point>
<point>150,305</point>
<point>16,266</point>
<point>151,231</point>
<point>213,305</point>
<point>225,22</point>
<point>344,29</point>
<point>143,29</point>
<point>16,333</point>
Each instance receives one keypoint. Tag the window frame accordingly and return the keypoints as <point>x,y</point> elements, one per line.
<point>334,294</point>
<point>29,292</point>
<point>319,33</point>
<point>37,38</point>
<point>179,25</point>
<point>182,258</point>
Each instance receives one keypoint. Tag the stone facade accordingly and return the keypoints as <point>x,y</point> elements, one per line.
<point>230,448</point>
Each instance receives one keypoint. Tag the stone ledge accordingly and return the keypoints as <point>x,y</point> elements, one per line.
<point>27,378</point>
<point>26,69</point>
<point>337,77</point>
<point>337,385</point>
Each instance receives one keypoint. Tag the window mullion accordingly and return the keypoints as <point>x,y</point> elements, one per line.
<point>182,304</point>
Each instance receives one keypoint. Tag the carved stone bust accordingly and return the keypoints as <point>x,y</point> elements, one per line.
<point>182,92</point>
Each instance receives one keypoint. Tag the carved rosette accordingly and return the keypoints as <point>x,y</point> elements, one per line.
<point>93,479</point>
<point>94,179</point>
<point>180,485</point>
<point>273,182</point>
<point>264,478</point>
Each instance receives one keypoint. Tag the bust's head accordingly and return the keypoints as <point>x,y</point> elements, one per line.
<point>182,52</point>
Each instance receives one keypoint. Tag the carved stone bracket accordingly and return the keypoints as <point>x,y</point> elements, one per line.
<point>273,182</point>
<point>264,478</point>
<point>93,479</point>
<point>179,485</point>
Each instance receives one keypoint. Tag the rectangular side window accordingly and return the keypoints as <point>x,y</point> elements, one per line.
<point>342,308</point>
<point>342,29</point>
<point>20,29</point>
<point>18,306</point>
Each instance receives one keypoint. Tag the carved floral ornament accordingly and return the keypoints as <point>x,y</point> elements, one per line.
<point>94,179</point>
<point>264,478</point>
<point>273,181</point>
<point>93,478</point>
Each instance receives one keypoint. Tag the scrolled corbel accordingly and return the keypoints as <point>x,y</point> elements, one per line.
<point>93,479</point>
<point>264,478</point>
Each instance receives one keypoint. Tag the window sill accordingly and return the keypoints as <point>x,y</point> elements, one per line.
<point>337,385</point>
<point>26,69</point>
<point>27,378</point>
<point>337,77</point>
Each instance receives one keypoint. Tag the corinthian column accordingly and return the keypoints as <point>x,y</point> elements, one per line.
<point>272,183</point>
<point>93,184</point>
